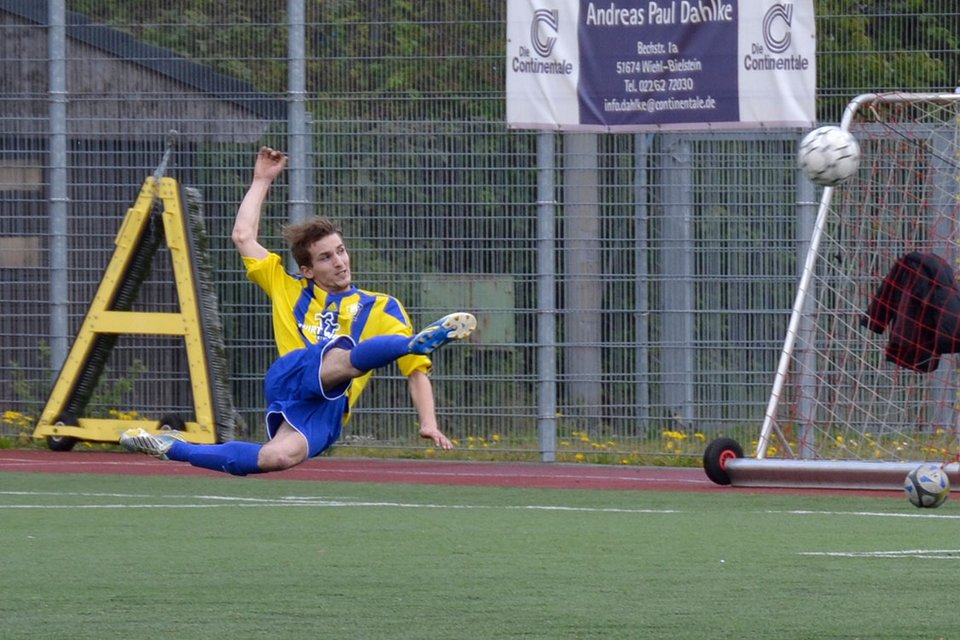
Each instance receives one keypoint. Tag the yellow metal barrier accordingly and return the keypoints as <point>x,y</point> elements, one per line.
<point>101,319</point>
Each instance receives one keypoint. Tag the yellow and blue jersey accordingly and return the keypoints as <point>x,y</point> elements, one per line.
<point>304,314</point>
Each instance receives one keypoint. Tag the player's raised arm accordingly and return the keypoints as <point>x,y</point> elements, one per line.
<point>268,166</point>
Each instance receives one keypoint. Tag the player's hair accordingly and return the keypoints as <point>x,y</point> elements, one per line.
<point>302,235</point>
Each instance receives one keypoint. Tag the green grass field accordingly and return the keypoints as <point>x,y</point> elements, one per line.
<point>99,556</point>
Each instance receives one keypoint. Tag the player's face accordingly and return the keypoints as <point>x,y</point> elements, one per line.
<point>330,264</point>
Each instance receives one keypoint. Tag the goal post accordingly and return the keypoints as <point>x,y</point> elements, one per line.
<point>867,382</point>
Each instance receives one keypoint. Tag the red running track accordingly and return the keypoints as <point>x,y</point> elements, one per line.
<point>496,474</point>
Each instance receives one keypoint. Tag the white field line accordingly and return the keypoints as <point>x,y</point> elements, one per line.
<point>215,501</point>
<point>918,513</point>
<point>930,554</point>
<point>514,474</point>
<point>31,462</point>
<point>11,464</point>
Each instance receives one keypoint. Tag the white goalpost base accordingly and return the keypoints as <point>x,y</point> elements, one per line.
<point>827,474</point>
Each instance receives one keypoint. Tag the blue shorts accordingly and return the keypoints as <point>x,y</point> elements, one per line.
<point>296,396</point>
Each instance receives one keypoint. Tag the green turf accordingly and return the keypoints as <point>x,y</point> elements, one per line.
<point>140,558</point>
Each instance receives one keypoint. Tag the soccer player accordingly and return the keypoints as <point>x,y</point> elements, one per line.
<point>331,336</point>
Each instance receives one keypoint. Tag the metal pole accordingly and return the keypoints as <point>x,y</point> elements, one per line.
<point>300,205</point>
<point>642,288</point>
<point>804,347</point>
<point>678,269</point>
<point>57,163</point>
<point>583,293</point>
<point>546,298</point>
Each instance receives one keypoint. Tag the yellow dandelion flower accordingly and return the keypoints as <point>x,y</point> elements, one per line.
<point>11,417</point>
<point>580,457</point>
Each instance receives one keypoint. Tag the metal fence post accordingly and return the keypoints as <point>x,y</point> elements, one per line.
<point>546,298</point>
<point>58,272</point>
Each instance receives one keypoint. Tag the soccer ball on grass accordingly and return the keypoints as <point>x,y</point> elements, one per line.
<point>927,486</point>
<point>828,155</point>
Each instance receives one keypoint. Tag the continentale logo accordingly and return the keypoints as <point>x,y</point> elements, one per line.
<point>777,39</point>
<point>543,30</point>
<point>775,36</point>
<point>544,35</point>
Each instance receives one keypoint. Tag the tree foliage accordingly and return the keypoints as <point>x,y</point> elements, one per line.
<point>885,45</point>
<point>400,55</point>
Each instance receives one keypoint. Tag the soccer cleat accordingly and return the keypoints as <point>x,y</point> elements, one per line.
<point>142,441</point>
<point>455,326</point>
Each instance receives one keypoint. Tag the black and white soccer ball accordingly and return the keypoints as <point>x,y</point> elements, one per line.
<point>828,155</point>
<point>927,486</point>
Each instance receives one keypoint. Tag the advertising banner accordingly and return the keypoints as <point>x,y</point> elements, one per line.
<point>626,65</point>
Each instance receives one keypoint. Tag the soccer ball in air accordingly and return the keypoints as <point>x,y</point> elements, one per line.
<point>927,486</point>
<point>828,155</point>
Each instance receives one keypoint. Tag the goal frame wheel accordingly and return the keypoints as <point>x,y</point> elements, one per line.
<point>716,456</point>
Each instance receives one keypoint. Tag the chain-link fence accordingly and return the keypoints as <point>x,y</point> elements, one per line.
<point>666,288</point>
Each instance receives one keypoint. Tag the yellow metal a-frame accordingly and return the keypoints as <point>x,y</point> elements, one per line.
<point>102,319</point>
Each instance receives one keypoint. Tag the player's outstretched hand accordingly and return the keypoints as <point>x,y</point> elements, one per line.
<point>270,163</point>
<point>432,433</point>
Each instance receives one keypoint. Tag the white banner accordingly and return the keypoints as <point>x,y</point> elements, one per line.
<point>629,65</point>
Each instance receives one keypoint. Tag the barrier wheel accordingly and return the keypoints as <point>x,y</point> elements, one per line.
<point>63,443</point>
<point>172,422</point>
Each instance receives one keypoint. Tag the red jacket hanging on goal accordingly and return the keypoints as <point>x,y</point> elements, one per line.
<point>920,302</point>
